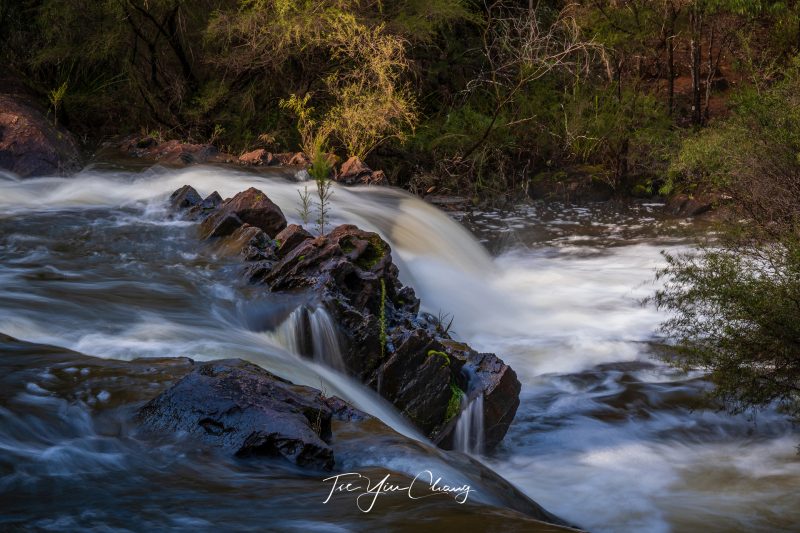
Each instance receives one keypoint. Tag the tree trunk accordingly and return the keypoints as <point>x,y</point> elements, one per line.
<point>695,23</point>
<point>712,67</point>
<point>673,15</point>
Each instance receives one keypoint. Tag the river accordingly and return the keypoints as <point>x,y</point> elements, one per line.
<point>606,436</point>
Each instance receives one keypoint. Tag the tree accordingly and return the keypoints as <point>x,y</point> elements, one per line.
<point>522,45</point>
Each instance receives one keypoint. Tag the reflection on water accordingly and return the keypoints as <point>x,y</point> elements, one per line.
<point>605,436</point>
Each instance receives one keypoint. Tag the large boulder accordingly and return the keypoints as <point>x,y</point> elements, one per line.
<point>29,143</point>
<point>246,410</point>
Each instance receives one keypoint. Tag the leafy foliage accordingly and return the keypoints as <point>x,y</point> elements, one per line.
<point>735,303</point>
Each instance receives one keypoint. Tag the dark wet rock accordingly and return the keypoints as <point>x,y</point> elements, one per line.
<point>407,358</point>
<point>449,203</point>
<point>356,172</point>
<point>29,143</point>
<point>128,385</point>
<point>220,224</point>
<point>290,238</point>
<point>251,206</point>
<point>212,201</point>
<point>184,198</point>
<point>685,205</point>
<point>250,242</point>
<point>246,410</point>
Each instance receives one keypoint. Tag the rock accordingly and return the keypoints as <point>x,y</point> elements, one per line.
<point>257,158</point>
<point>184,198</point>
<point>220,224</point>
<point>299,159</point>
<point>576,184</point>
<point>290,238</point>
<point>212,201</point>
<point>355,172</point>
<point>251,206</point>
<point>292,159</point>
<point>449,203</point>
<point>500,388</point>
<point>173,152</point>
<point>30,145</point>
<point>246,410</point>
<point>251,243</point>
<point>685,205</point>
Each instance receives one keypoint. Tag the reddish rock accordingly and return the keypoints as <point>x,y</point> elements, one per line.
<point>30,145</point>
<point>258,157</point>
<point>290,238</point>
<point>251,206</point>
<point>292,159</point>
<point>172,152</point>
<point>355,172</point>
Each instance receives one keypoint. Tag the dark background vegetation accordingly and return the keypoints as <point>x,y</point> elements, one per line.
<point>487,103</point>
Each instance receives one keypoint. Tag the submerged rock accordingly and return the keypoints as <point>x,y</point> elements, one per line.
<point>29,143</point>
<point>408,359</point>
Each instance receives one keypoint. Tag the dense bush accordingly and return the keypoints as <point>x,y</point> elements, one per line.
<point>736,302</point>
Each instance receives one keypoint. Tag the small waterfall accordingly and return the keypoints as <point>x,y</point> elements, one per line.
<point>469,428</point>
<point>312,333</point>
<point>325,344</point>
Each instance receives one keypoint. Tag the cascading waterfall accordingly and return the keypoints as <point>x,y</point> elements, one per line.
<point>312,332</point>
<point>469,428</point>
<point>325,339</point>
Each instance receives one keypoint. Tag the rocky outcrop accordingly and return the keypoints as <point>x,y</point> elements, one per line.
<point>245,410</point>
<point>355,172</point>
<point>29,143</point>
<point>408,358</point>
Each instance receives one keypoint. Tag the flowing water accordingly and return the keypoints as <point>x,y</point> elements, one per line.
<point>605,436</point>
